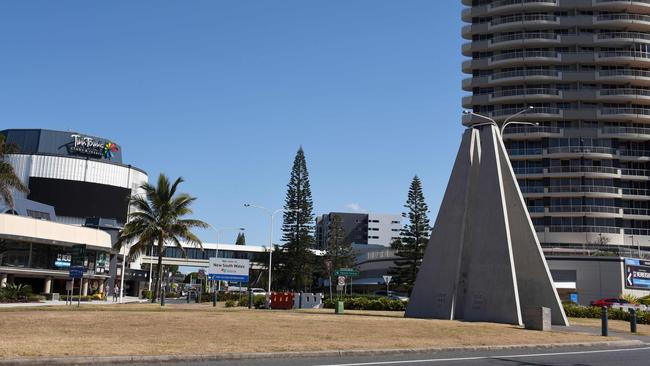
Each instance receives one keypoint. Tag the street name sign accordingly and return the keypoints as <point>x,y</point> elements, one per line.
<point>349,272</point>
<point>227,269</point>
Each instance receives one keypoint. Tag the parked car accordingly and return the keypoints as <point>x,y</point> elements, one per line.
<point>609,301</point>
<point>392,295</point>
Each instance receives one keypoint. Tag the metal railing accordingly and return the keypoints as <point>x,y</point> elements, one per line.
<point>584,229</point>
<point>528,170</point>
<point>623,16</point>
<point>624,72</point>
<point>585,208</point>
<point>623,1</point>
<point>525,151</point>
<point>627,130</point>
<point>535,129</point>
<point>636,211</point>
<point>524,54</point>
<point>583,169</point>
<point>523,18</point>
<point>524,36</point>
<point>624,53</point>
<point>524,73</point>
<point>527,91</point>
<point>624,152</point>
<point>635,172</point>
<point>531,189</point>
<point>537,110</point>
<point>623,35</point>
<point>635,191</point>
<point>500,3</point>
<point>582,150</point>
<point>624,91</point>
<point>582,189</point>
<point>611,111</point>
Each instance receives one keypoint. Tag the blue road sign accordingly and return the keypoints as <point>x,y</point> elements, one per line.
<point>77,271</point>
<point>228,277</point>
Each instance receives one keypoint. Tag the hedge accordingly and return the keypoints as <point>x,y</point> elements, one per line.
<point>367,303</point>
<point>577,311</point>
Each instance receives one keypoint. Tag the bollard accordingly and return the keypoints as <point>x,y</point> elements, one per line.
<point>198,297</point>
<point>250,298</point>
<point>214,298</point>
<point>189,293</point>
<point>633,320</point>
<point>162,298</point>
<point>603,320</point>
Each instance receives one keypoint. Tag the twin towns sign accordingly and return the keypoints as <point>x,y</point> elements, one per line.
<point>91,146</point>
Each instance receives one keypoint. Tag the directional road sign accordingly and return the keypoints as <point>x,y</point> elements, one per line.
<point>349,272</point>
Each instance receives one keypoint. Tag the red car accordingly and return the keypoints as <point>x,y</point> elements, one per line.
<point>609,302</point>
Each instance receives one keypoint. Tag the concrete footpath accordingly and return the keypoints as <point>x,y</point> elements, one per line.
<point>127,300</point>
<point>223,357</point>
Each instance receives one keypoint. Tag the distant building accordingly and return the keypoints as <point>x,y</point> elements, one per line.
<point>360,228</point>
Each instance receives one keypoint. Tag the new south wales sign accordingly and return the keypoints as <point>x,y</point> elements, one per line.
<point>227,269</point>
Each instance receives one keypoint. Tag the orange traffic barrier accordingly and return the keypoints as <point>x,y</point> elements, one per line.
<point>282,300</point>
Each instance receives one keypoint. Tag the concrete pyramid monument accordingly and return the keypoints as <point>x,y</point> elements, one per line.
<point>483,261</point>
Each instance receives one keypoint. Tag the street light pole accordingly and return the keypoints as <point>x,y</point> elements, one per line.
<point>505,123</point>
<point>272,216</point>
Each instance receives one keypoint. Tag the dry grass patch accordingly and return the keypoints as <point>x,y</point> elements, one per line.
<point>148,329</point>
<point>614,325</point>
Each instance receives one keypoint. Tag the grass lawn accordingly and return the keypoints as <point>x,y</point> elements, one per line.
<point>148,329</point>
<point>614,325</point>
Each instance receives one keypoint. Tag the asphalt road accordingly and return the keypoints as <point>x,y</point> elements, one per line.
<point>591,356</point>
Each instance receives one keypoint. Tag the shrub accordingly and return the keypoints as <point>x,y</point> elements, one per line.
<point>172,295</point>
<point>146,294</point>
<point>231,303</point>
<point>578,311</point>
<point>258,301</point>
<point>15,292</point>
<point>367,303</point>
<point>35,298</point>
<point>645,300</point>
<point>631,299</point>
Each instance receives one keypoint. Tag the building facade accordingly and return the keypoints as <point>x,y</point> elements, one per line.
<point>78,195</point>
<point>81,176</point>
<point>360,228</point>
<point>584,65</point>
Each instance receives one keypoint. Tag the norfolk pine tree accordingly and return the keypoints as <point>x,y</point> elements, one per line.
<point>413,239</point>
<point>338,251</point>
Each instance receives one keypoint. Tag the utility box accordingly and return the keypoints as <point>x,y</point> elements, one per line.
<point>339,307</point>
<point>537,318</point>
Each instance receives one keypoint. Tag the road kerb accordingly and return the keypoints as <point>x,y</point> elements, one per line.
<point>107,360</point>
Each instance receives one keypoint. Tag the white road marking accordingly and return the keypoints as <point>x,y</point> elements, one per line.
<point>486,357</point>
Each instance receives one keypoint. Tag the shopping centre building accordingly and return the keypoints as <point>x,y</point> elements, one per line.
<point>78,194</point>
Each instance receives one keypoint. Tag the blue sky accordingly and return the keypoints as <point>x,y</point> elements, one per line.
<point>224,92</point>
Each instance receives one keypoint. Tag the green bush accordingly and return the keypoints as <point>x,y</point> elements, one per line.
<point>15,293</point>
<point>146,294</point>
<point>172,295</point>
<point>367,303</point>
<point>258,301</point>
<point>231,303</point>
<point>645,300</point>
<point>35,298</point>
<point>578,311</point>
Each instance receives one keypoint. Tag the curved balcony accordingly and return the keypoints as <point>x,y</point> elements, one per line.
<point>627,20</point>
<point>636,211</point>
<point>609,211</point>
<point>595,171</point>
<point>624,94</point>
<point>624,75</point>
<point>523,20</point>
<point>618,38</point>
<point>514,153</point>
<point>525,132</point>
<point>528,93</point>
<point>627,57</point>
<point>524,37</point>
<point>522,56</point>
<point>636,174</point>
<point>590,191</point>
<point>573,151</point>
<point>634,155</point>
<point>624,113</point>
<point>584,229</point>
<point>629,5</point>
<point>528,171</point>
<point>627,133</point>
<point>509,5</point>
<point>636,193</point>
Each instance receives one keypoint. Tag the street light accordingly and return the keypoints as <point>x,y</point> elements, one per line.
<point>505,123</point>
<point>272,215</point>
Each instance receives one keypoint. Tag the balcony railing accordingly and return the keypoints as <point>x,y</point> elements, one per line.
<point>525,36</point>
<point>624,92</point>
<point>524,54</point>
<point>635,191</point>
<point>582,169</point>
<point>585,208</point>
<point>528,170</point>
<point>524,92</point>
<point>536,129</point>
<point>536,209</point>
<point>531,189</point>
<point>623,35</point>
<point>623,1</point>
<point>581,150</point>
<point>500,3</point>
<point>537,110</point>
<point>524,73</point>
<point>624,53</point>
<point>627,130</point>
<point>633,231</point>
<point>582,189</point>
<point>584,229</point>
<point>529,151</point>
<point>636,172</point>
<point>637,211</point>
<point>523,18</point>
<point>612,111</point>
<point>624,152</point>
<point>624,72</point>
<point>623,16</point>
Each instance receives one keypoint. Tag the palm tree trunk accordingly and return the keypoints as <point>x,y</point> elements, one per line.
<point>160,269</point>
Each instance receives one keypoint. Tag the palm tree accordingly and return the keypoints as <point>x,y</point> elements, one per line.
<point>8,179</point>
<point>157,217</point>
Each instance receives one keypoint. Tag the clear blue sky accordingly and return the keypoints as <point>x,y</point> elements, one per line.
<point>224,92</point>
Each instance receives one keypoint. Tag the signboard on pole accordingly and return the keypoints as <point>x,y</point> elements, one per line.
<point>78,257</point>
<point>227,269</point>
<point>349,272</point>
<point>328,265</point>
<point>76,271</point>
<point>637,274</point>
<point>387,279</point>
<point>341,281</point>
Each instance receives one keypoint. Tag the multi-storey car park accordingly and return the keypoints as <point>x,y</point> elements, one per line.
<point>584,65</point>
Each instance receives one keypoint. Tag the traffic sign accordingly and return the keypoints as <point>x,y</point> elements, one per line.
<point>76,272</point>
<point>341,281</point>
<point>349,272</point>
<point>387,279</point>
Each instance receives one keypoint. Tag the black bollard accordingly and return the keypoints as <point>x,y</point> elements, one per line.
<point>198,297</point>
<point>214,298</point>
<point>603,320</point>
<point>250,298</point>
<point>162,298</point>
<point>189,293</point>
<point>633,320</point>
